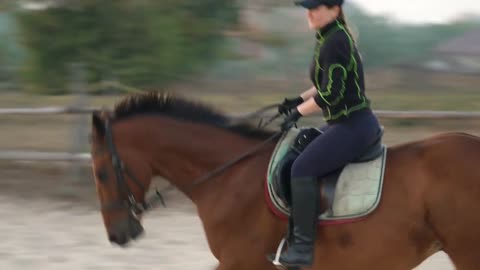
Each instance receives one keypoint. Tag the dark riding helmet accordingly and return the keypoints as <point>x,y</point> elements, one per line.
<point>310,4</point>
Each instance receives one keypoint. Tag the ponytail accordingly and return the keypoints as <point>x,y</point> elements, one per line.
<point>342,19</point>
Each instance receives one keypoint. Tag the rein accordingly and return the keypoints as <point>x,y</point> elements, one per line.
<point>247,154</point>
<point>229,164</point>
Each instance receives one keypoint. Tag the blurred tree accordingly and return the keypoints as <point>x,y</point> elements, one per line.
<point>3,63</point>
<point>143,43</point>
<point>10,53</point>
<point>6,4</point>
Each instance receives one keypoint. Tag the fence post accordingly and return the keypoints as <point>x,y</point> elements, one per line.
<point>73,168</point>
<point>80,121</point>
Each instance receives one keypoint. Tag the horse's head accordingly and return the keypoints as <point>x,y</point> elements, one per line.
<point>122,178</point>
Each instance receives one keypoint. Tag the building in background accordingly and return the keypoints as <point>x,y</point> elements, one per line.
<point>461,54</point>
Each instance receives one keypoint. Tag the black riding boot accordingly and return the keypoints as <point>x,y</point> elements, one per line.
<point>304,212</point>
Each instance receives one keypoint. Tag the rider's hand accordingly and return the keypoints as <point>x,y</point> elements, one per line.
<point>291,120</point>
<point>288,104</point>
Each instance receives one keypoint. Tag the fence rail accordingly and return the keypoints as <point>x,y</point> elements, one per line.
<point>44,156</point>
<point>45,110</point>
<point>85,157</point>
<point>381,113</point>
<point>427,114</point>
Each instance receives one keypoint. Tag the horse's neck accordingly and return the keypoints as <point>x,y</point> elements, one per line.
<point>186,151</point>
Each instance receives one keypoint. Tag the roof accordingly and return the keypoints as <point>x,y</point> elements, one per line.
<point>468,43</point>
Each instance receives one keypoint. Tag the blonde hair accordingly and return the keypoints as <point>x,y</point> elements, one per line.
<point>342,19</point>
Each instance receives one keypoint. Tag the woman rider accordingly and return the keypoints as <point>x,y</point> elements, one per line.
<point>338,90</point>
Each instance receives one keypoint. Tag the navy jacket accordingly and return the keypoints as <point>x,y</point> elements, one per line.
<point>337,73</point>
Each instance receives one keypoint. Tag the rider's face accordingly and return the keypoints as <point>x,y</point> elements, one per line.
<point>321,16</point>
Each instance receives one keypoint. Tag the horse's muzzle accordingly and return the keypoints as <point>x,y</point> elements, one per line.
<point>125,230</point>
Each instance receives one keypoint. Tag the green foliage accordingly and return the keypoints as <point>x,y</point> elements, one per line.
<point>150,43</point>
<point>10,54</point>
<point>142,43</point>
<point>3,63</point>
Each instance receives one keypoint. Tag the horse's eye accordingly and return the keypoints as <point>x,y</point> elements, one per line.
<point>102,176</point>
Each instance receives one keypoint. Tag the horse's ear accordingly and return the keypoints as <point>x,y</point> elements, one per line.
<point>98,123</point>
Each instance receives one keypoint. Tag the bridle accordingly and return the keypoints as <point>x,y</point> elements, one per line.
<point>120,169</point>
<point>136,208</point>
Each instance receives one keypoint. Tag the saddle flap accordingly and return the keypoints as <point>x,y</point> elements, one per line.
<point>358,190</point>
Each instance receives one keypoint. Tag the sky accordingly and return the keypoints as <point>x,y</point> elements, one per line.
<point>421,11</point>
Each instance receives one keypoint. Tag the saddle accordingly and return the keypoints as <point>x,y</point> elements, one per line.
<point>347,194</point>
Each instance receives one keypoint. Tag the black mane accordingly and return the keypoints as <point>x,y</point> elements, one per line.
<point>180,108</point>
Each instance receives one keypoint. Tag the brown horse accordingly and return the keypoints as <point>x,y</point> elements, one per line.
<point>431,194</point>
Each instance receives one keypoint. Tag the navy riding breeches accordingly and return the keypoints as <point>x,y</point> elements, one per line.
<point>340,144</point>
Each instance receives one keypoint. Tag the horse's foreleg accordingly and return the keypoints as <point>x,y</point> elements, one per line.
<point>466,261</point>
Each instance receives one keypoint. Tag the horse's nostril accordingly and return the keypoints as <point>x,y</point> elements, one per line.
<point>112,238</point>
<point>119,239</point>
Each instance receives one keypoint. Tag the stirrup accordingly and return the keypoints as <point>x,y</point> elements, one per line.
<point>275,258</point>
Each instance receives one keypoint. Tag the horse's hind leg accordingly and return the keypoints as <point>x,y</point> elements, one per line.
<point>464,254</point>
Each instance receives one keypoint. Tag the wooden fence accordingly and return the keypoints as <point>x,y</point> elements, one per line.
<point>85,157</point>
